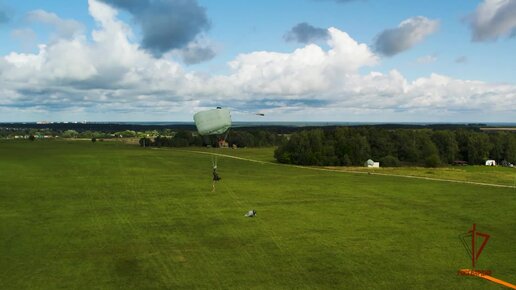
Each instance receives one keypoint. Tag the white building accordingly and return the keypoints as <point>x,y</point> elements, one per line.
<point>490,163</point>
<point>372,164</point>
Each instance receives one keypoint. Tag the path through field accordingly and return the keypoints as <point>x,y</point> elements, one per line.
<point>350,171</point>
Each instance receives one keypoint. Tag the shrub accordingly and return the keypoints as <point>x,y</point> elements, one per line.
<point>432,161</point>
<point>145,142</point>
<point>389,161</point>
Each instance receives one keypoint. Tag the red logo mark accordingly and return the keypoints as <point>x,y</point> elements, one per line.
<point>472,251</point>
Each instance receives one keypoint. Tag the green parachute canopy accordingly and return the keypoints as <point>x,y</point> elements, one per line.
<point>213,122</point>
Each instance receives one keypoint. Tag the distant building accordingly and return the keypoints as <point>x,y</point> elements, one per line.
<point>223,144</point>
<point>372,164</point>
<point>490,163</point>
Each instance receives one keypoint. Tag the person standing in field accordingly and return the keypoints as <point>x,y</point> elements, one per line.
<point>216,178</point>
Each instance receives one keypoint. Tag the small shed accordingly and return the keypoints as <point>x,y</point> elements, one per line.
<point>490,163</point>
<point>223,144</point>
<point>372,164</point>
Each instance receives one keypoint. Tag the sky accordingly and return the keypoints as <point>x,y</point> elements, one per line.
<point>291,60</point>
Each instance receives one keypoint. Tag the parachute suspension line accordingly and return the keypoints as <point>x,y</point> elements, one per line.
<point>213,162</point>
<point>214,157</point>
<point>227,133</point>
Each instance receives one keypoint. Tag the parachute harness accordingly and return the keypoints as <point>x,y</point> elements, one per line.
<point>214,157</point>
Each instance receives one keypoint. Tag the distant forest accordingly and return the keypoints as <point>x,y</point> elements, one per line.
<point>391,144</point>
<point>240,138</point>
<point>347,146</point>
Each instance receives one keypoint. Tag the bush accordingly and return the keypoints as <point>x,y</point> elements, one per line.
<point>93,140</point>
<point>70,134</point>
<point>432,161</point>
<point>282,156</point>
<point>389,161</point>
<point>145,142</point>
<point>179,142</point>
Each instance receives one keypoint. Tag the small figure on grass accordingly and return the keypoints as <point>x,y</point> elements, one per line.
<point>251,213</point>
<point>216,178</point>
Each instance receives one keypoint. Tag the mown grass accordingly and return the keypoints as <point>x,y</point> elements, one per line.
<point>261,154</point>
<point>483,174</point>
<point>77,215</point>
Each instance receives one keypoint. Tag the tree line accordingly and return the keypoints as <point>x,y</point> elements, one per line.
<point>352,146</point>
<point>238,138</point>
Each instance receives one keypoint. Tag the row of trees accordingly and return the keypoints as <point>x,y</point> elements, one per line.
<point>353,146</point>
<point>71,133</point>
<point>240,138</point>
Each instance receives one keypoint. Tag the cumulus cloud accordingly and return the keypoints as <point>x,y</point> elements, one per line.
<point>307,70</point>
<point>165,24</point>
<point>493,19</point>
<point>306,33</point>
<point>408,33</point>
<point>26,36</point>
<point>66,28</point>
<point>198,51</point>
<point>67,76</point>
<point>68,73</point>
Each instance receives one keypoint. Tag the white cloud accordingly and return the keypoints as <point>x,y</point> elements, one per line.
<point>66,28</point>
<point>440,92</point>
<point>27,37</point>
<point>493,19</point>
<point>307,70</point>
<point>112,77</point>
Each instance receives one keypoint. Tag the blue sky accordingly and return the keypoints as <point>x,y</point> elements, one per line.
<point>430,69</point>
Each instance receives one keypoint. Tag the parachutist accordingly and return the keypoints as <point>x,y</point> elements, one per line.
<point>216,122</point>
<point>216,178</point>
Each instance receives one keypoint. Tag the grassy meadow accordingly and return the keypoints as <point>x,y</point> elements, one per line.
<point>482,174</point>
<point>79,215</point>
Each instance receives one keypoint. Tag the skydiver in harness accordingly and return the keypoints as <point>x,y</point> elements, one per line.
<point>215,122</point>
<point>216,178</point>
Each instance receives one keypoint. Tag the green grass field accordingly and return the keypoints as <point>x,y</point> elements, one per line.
<point>78,215</point>
<point>483,174</point>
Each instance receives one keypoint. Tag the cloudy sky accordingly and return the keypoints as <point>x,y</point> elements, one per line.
<point>293,60</point>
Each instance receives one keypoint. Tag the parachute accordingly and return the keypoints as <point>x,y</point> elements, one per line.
<point>213,122</point>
